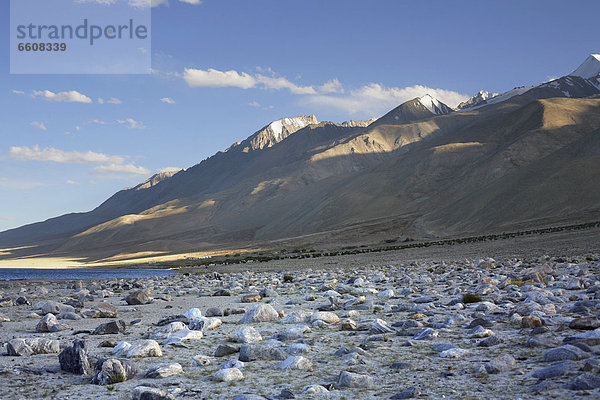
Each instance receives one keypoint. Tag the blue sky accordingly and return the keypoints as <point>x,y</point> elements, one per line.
<point>224,68</point>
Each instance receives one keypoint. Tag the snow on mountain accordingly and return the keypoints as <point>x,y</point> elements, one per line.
<point>434,105</point>
<point>275,132</point>
<point>590,67</point>
<point>481,97</point>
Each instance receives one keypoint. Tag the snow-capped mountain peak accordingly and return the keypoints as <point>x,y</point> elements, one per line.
<point>479,98</point>
<point>590,67</point>
<point>434,105</point>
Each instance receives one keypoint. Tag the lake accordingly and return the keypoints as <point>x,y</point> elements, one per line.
<point>79,273</point>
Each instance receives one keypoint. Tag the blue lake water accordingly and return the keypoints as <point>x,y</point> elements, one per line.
<point>79,273</point>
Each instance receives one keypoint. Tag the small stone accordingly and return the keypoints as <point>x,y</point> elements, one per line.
<point>585,323</point>
<point>139,297</point>
<point>121,349</point>
<point>105,310</point>
<point>454,353</point>
<point>425,334</point>
<point>326,316</point>
<point>228,375</point>
<point>563,353</point>
<point>251,298</point>
<point>349,325</point>
<point>222,292</point>
<point>225,350</point>
<point>354,380</point>
<point>164,370</point>
<point>480,332</point>
<point>260,313</point>
<point>296,362</point>
<point>490,341</point>
<point>110,328</point>
<point>75,359</point>
<point>407,393</point>
<point>163,332</point>
<point>182,335</point>
<point>247,335</point>
<point>499,364</point>
<point>585,382</point>
<point>31,346</point>
<point>555,369</point>
<point>314,389</point>
<point>146,348</point>
<point>46,323</point>
<point>214,312</point>
<point>112,371</point>
<point>530,322</point>
<point>150,393</point>
<point>192,314</point>
<point>202,361</point>
<point>233,364</point>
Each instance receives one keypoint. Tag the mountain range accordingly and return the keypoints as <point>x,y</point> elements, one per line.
<point>526,158</point>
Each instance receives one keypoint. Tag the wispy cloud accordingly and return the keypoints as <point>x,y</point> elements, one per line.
<point>72,96</point>
<point>375,99</point>
<point>70,182</point>
<point>256,104</point>
<point>106,164</point>
<point>9,183</point>
<point>132,123</point>
<point>2,218</point>
<point>167,100</point>
<point>112,100</point>
<point>17,91</point>
<point>121,169</point>
<point>36,153</point>
<point>243,80</point>
<point>38,124</point>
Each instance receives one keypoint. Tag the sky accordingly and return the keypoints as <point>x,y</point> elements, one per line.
<point>222,69</point>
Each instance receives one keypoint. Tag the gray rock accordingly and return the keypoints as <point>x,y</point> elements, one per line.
<point>442,347</point>
<point>233,364</point>
<point>75,359</point>
<point>591,338</point>
<point>214,312</point>
<point>489,341</point>
<point>407,393</point>
<point>426,334</point>
<point>585,323</point>
<point>253,352</point>
<point>150,393</point>
<point>354,380</point>
<point>247,335</point>
<point>164,370</point>
<point>110,328</point>
<point>30,346</point>
<point>296,362</point>
<point>139,297</point>
<point>228,375</point>
<point>105,310</point>
<point>53,307</point>
<point>226,349</point>
<point>556,369</point>
<point>585,382</point>
<point>500,364</point>
<point>260,313</point>
<point>46,323</point>
<point>112,370</point>
<point>563,353</point>
<point>146,348</point>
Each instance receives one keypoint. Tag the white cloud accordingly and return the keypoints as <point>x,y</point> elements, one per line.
<point>72,96</point>
<point>121,169</point>
<point>112,100</point>
<point>375,99</point>
<point>195,2</point>
<point>8,183</point>
<point>2,218</point>
<point>104,2</point>
<point>35,153</point>
<point>283,83</point>
<point>38,124</point>
<point>333,86</point>
<point>258,105</point>
<point>70,182</point>
<point>107,164</point>
<point>167,100</point>
<point>18,91</point>
<point>96,121</point>
<point>215,78</point>
<point>132,123</point>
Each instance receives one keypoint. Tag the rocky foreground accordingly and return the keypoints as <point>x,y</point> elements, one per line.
<point>475,329</point>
